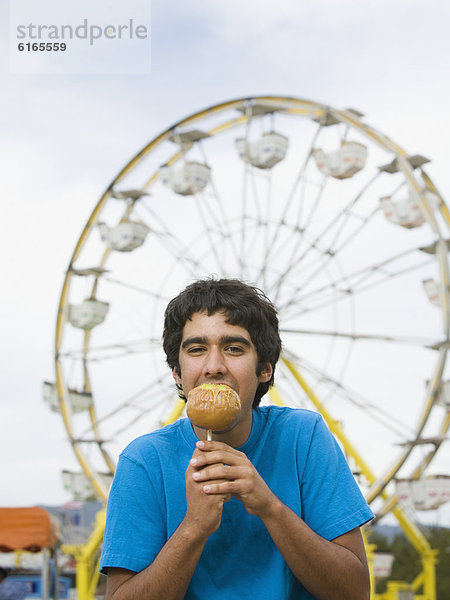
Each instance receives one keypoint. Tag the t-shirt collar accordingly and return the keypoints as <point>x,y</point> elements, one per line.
<point>257,423</point>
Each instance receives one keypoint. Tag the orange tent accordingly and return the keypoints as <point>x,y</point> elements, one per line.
<point>26,529</point>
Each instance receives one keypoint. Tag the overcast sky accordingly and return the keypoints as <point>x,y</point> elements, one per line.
<point>64,137</point>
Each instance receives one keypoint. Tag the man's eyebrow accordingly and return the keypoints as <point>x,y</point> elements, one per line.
<point>194,340</point>
<point>233,339</point>
<point>226,339</point>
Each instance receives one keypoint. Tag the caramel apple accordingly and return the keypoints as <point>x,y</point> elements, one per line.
<point>213,406</point>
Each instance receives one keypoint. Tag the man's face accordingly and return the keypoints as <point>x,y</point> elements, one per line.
<point>214,351</point>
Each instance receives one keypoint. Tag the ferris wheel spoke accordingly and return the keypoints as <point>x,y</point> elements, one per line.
<point>223,224</point>
<point>332,251</point>
<point>290,197</point>
<point>332,254</point>
<point>377,414</point>
<point>314,208</point>
<point>364,272</point>
<point>262,229</point>
<point>410,341</point>
<point>352,283</point>
<point>127,424</point>
<point>297,181</point>
<point>347,213</point>
<point>435,443</point>
<point>250,174</point>
<point>258,217</point>
<point>211,213</point>
<point>173,245</point>
<point>293,231</point>
<point>342,294</point>
<point>293,261</point>
<point>267,219</point>
<point>114,350</point>
<point>130,402</point>
<point>207,228</point>
<point>146,292</point>
<point>325,255</point>
<point>181,251</point>
<point>253,176</point>
<point>385,418</point>
<point>243,204</point>
<point>242,262</point>
<point>389,275</point>
<point>249,242</point>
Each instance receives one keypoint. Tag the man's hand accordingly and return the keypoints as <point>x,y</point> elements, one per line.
<point>204,511</point>
<point>220,471</point>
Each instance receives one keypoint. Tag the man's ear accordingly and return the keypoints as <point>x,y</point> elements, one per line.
<point>176,375</point>
<point>266,373</point>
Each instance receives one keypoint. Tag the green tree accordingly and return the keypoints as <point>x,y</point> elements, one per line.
<point>439,538</point>
<point>381,542</point>
<point>407,563</point>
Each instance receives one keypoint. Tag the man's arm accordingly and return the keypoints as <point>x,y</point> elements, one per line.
<point>167,577</point>
<point>170,573</point>
<point>330,570</point>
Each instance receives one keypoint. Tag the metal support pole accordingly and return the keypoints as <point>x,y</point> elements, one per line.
<point>87,569</point>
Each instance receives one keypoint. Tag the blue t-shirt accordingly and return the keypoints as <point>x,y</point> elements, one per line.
<point>298,458</point>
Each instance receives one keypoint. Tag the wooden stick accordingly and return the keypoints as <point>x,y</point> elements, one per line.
<point>209,435</point>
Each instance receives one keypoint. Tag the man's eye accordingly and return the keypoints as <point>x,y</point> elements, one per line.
<point>234,349</point>
<point>195,350</point>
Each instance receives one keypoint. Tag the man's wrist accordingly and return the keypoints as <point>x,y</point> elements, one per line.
<point>272,510</point>
<point>191,533</point>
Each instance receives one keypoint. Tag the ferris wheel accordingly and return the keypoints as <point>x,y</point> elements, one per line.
<point>339,226</point>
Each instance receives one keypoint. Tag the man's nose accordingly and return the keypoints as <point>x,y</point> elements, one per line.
<point>214,363</point>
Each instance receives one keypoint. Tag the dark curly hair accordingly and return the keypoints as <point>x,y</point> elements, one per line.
<point>244,305</point>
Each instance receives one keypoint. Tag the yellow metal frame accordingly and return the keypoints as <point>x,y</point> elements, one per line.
<point>88,559</point>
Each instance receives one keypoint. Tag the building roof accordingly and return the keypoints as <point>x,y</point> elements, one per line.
<point>29,529</point>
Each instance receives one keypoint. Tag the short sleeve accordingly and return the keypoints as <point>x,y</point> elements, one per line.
<point>135,526</point>
<point>332,503</point>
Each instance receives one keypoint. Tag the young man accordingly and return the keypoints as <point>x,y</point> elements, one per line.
<point>267,510</point>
